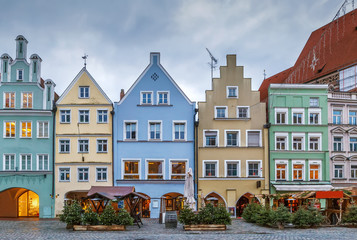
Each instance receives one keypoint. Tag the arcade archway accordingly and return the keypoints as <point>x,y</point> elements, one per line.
<point>19,202</point>
<point>215,199</point>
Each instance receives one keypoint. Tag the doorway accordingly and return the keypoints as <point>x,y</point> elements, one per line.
<point>28,205</point>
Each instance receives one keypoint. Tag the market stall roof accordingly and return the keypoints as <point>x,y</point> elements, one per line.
<point>132,194</point>
<point>109,192</point>
<point>301,187</point>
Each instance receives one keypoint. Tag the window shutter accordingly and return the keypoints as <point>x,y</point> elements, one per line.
<point>253,139</point>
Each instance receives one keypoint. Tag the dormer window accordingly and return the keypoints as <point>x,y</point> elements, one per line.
<point>232,91</point>
<point>83,92</point>
<point>146,98</point>
<point>20,75</point>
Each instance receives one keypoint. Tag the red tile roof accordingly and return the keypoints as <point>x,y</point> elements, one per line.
<point>333,46</point>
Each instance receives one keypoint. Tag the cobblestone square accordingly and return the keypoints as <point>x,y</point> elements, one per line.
<point>53,229</point>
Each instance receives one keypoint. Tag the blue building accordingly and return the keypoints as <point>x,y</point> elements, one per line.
<point>26,124</point>
<point>154,140</point>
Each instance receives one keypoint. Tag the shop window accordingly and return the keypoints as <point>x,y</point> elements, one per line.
<point>131,169</point>
<point>178,170</point>
<point>155,170</point>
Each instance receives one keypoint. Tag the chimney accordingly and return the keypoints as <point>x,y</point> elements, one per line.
<point>122,94</point>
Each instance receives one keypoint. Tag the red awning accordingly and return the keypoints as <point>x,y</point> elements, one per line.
<point>329,194</point>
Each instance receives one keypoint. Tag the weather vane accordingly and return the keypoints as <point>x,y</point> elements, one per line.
<point>85,60</point>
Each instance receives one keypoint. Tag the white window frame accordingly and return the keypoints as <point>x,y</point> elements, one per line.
<point>227,91</point>
<point>78,145</point>
<point>177,160</point>
<point>10,102</point>
<point>96,174</point>
<point>281,135</point>
<point>225,112</point>
<point>226,131</point>
<point>282,110</point>
<point>136,130</point>
<point>260,170</point>
<point>79,116</point>
<point>341,116</point>
<point>102,109</point>
<point>283,162</point>
<point>158,98</point>
<point>70,115</point>
<point>20,161</point>
<point>59,174</point>
<point>342,142</point>
<point>226,162</point>
<point>4,162</point>
<point>22,100</point>
<point>102,139</point>
<point>260,137</point>
<point>355,116</point>
<point>303,143</point>
<point>204,137</point>
<point>59,145</point>
<point>83,175</point>
<point>173,129</point>
<point>314,110</point>
<point>298,110</point>
<point>343,170</point>
<point>315,162</point>
<point>4,126</point>
<point>123,160</point>
<point>298,162</point>
<point>248,112</point>
<point>349,141</point>
<point>18,74</point>
<point>20,129</point>
<point>38,162</point>
<point>141,97</point>
<point>204,168</point>
<point>147,160</point>
<point>79,92</point>
<point>353,169</point>
<point>38,129</point>
<point>317,135</point>
<point>149,130</point>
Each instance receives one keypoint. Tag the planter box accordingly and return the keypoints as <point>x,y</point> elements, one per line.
<point>205,227</point>
<point>99,228</point>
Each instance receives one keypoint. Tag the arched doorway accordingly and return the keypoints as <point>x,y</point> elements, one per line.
<point>28,204</point>
<point>242,202</point>
<point>173,202</point>
<point>215,199</point>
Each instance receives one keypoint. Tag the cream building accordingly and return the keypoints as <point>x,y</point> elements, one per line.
<point>83,140</point>
<point>232,142</point>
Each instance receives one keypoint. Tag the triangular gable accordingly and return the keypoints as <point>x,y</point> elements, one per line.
<point>352,130</point>
<point>84,70</point>
<point>338,130</point>
<point>152,54</point>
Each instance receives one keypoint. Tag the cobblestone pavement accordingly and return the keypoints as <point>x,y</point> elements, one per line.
<point>53,229</point>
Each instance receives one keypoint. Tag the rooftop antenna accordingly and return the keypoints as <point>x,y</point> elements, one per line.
<point>213,62</point>
<point>265,75</point>
<point>85,60</point>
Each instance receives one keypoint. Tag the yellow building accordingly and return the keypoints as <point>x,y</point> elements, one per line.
<point>83,140</point>
<point>232,142</point>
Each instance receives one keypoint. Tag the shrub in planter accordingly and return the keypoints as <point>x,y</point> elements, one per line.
<point>351,215</point>
<point>187,216</point>
<point>281,216</point>
<point>90,218</point>
<point>108,217</point>
<point>71,214</point>
<point>221,216</point>
<point>264,216</point>
<point>316,216</point>
<point>251,211</point>
<point>123,218</point>
<point>301,218</point>
<point>206,215</point>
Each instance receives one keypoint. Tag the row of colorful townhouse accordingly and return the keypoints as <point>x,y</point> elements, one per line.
<point>55,148</point>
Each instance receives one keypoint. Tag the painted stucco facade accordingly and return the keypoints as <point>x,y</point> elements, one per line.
<point>26,126</point>
<point>342,120</point>
<point>154,139</point>
<point>232,141</point>
<point>299,156</point>
<point>83,139</point>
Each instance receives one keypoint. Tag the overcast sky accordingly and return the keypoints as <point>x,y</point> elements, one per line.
<point>118,37</point>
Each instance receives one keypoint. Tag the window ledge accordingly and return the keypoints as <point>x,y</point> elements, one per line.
<point>154,105</point>
<point>339,178</point>
<point>227,119</point>
<point>338,151</point>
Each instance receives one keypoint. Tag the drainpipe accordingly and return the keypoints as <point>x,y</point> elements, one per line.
<point>196,152</point>
<point>268,175</point>
<point>113,152</point>
<point>54,110</point>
